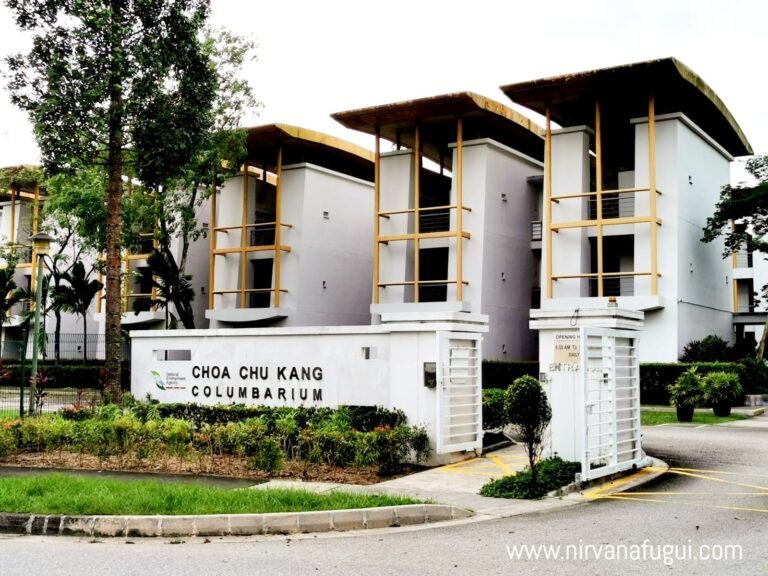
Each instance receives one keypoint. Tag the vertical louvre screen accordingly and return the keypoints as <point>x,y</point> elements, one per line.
<point>459,395</point>
<point>611,380</point>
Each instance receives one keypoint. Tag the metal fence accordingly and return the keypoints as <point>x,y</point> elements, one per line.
<point>64,380</point>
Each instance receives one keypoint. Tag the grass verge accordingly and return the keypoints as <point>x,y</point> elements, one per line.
<point>63,494</point>
<point>653,418</point>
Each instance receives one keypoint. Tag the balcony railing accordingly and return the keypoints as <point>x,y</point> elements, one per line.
<point>745,308</point>
<point>435,221</point>
<point>614,286</point>
<point>263,235</point>
<point>536,231</point>
<point>614,206</point>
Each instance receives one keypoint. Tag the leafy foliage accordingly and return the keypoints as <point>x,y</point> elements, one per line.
<point>77,296</point>
<point>710,349</point>
<point>493,409</point>
<point>123,84</point>
<point>553,473</point>
<point>741,219</point>
<point>721,388</point>
<point>527,407</point>
<point>687,390</point>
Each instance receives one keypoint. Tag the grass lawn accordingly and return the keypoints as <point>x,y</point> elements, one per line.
<point>63,494</point>
<point>653,418</point>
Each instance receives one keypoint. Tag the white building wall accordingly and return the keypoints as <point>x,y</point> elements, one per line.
<point>334,251</point>
<point>570,247</point>
<point>396,258</point>
<point>510,268</point>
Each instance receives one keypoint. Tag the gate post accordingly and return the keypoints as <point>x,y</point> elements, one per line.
<point>562,362</point>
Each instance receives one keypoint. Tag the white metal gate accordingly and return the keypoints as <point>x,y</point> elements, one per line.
<point>459,393</point>
<point>610,371</point>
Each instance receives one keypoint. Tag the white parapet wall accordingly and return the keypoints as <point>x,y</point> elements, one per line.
<point>426,366</point>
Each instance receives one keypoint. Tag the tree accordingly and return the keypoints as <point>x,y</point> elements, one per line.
<point>221,156</point>
<point>741,219</point>
<point>77,296</point>
<point>123,84</point>
<point>527,407</point>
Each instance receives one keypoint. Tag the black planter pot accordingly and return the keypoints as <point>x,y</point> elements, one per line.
<point>722,409</point>
<point>684,413</point>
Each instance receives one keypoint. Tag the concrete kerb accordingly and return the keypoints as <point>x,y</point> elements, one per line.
<point>465,508</point>
<point>229,524</point>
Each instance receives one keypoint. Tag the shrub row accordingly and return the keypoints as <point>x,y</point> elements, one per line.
<point>655,378</point>
<point>141,433</point>
<point>68,374</point>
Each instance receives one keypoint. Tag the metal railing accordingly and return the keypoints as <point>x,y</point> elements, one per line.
<point>536,231</point>
<point>614,286</point>
<point>262,236</point>
<point>614,206</point>
<point>435,221</point>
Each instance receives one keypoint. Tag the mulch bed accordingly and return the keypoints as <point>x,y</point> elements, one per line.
<point>219,465</point>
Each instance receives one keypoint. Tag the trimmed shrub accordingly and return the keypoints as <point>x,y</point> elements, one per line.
<point>553,473</point>
<point>494,416</point>
<point>527,407</point>
<point>501,373</point>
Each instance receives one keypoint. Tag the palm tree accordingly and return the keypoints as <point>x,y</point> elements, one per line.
<point>77,296</point>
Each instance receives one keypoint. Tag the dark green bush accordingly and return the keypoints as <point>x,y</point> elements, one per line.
<point>493,408</point>
<point>268,456</point>
<point>709,349</point>
<point>501,373</point>
<point>754,375</point>
<point>655,378</point>
<point>552,473</point>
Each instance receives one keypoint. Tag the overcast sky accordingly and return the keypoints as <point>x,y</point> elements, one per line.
<point>318,57</point>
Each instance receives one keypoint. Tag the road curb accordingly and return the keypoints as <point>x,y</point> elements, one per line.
<point>229,524</point>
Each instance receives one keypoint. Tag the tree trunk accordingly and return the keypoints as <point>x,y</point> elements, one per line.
<point>114,208</point>
<point>57,337</point>
<point>85,341</point>
<point>761,346</point>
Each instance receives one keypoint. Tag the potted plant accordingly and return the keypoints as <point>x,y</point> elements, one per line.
<point>721,391</point>
<point>685,394</point>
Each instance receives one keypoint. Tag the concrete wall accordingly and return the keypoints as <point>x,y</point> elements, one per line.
<point>570,247</point>
<point>396,193</point>
<point>509,267</point>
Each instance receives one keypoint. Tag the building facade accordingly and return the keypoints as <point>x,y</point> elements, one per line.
<point>631,175</point>
<point>454,200</point>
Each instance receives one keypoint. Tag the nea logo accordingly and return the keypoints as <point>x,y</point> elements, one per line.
<point>159,382</point>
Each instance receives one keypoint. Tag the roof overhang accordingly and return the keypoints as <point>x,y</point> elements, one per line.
<point>301,145</point>
<point>624,92</point>
<point>436,117</point>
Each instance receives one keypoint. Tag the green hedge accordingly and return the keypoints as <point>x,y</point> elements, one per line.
<point>655,377</point>
<point>68,374</point>
<point>501,373</point>
<point>361,418</point>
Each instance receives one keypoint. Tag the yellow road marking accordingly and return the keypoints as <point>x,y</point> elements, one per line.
<point>721,480</point>
<point>697,504</point>
<point>640,493</point>
<point>721,472</point>
<point>599,491</point>
<point>506,469</point>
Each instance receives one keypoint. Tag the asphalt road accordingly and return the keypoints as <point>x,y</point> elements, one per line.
<point>713,503</point>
